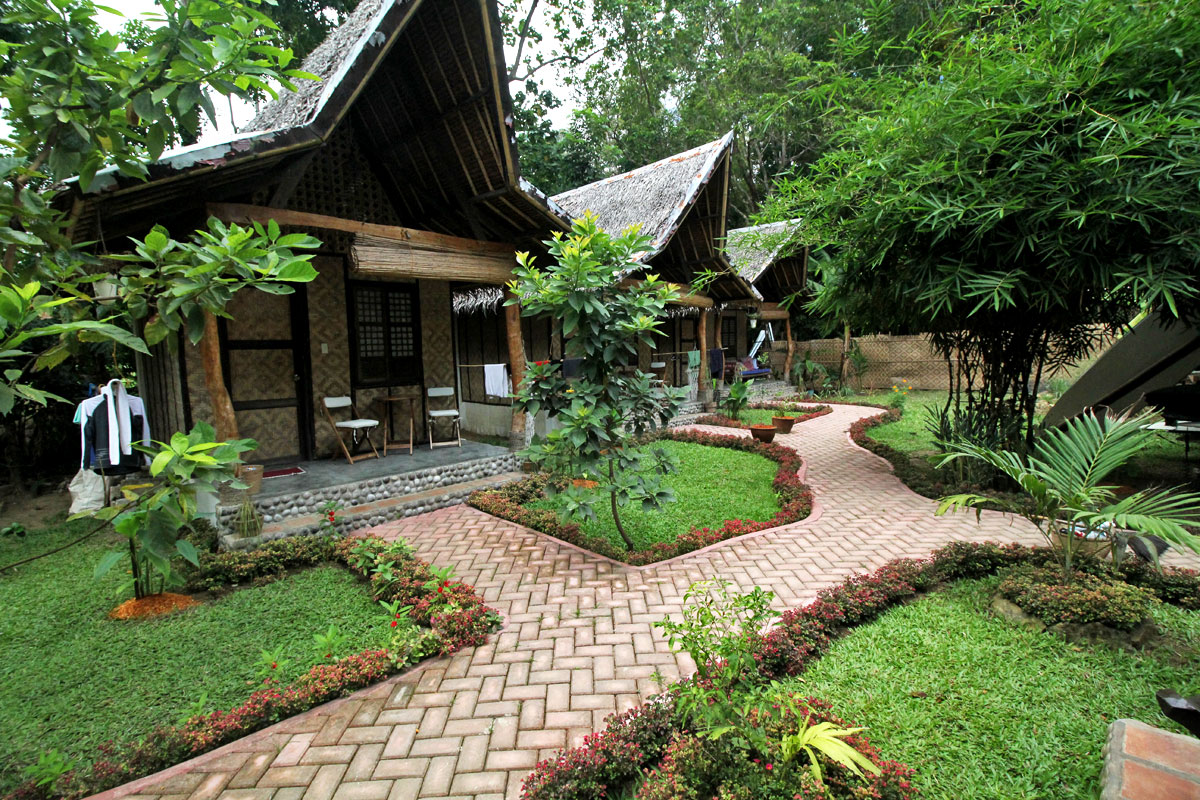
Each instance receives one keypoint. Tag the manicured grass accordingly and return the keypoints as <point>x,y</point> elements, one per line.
<point>71,678</point>
<point>908,434</point>
<point>981,708</point>
<point>712,484</point>
<point>1160,463</point>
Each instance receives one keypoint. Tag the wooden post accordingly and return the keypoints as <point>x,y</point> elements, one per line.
<point>703,379</point>
<point>791,349</point>
<point>516,369</point>
<point>845,371</point>
<point>224,418</point>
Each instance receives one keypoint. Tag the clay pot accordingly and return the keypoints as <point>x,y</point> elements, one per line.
<point>784,424</point>
<point>764,433</point>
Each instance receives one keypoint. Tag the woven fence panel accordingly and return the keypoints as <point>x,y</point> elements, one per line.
<point>889,359</point>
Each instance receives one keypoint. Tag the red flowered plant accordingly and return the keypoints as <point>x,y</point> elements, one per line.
<point>509,502</point>
<point>802,636</point>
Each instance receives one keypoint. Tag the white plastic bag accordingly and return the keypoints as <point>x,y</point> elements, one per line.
<point>87,491</point>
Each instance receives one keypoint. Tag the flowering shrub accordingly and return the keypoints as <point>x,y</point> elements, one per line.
<point>795,500</point>
<point>802,414</point>
<point>609,758</point>
<point>1041,592</point>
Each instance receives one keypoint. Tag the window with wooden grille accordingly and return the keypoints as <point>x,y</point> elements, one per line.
<point>386,341</point>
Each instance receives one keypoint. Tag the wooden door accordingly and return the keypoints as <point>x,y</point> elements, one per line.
<point>266,360</point>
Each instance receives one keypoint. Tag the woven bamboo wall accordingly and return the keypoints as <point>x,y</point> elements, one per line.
<point>327,330</point>
<point>340,183</point>
<point>263,374</point>
<point>889,358</point>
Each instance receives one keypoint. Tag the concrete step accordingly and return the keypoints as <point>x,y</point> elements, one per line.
<point>372,513</point>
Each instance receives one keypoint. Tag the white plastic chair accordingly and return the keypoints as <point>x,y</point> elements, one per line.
<point>355,425</point>
<point>451,414</point>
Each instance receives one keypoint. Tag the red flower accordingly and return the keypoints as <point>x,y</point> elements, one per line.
<point>394,623</point>
<point>274,665</point>
<point>770,766</point>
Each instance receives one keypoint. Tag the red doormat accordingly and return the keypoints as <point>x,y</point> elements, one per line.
<point>282,472</point>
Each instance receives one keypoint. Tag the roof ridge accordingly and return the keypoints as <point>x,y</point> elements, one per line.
<point>684,155</point>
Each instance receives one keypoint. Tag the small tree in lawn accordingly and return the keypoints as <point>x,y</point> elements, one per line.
<point>608,405</point>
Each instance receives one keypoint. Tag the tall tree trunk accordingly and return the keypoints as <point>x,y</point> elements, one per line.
<point>224,418</point>
<point>516,368</point>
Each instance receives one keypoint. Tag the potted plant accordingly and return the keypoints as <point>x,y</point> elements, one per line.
<point>785,419</point>
<point>764,433</point>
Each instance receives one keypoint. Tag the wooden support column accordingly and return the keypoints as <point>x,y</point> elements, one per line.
<point>703,379</point>
<point>791,350</point>
<point>224,418</point>
<point>516,369</point>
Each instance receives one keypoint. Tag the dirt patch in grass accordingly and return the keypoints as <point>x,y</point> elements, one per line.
<point>156,605</point>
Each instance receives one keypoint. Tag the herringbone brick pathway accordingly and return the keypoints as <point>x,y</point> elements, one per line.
<point>578,642</point>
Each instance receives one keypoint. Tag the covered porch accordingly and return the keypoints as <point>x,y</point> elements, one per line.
<point>368,492</point>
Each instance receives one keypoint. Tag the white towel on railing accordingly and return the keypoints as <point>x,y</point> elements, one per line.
<point>120,423</point>
<point>495,379</point>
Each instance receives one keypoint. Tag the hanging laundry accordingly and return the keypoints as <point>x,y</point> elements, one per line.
<point>495,380</point>
<point>109,425</point>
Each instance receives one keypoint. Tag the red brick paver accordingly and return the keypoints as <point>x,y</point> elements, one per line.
<point>578,641</point>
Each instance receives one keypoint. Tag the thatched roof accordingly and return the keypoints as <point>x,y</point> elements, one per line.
<point>657,196</point>
<point>420,87</point>
<point>331,57</point>
<point>752,250</point>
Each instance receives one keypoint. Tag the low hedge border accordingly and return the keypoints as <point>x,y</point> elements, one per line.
<point>796,502</point>
<point>454,614</point>
<point>808,412</point>
<point>803,635</point>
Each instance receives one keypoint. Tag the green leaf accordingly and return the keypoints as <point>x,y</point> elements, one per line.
<point>297,271</point>
<point>108,561</point>
<point>188,551</point>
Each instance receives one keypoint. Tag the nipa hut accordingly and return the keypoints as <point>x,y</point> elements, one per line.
<point>769,258</point>
<point>402,160</point>
<point>682,204</point>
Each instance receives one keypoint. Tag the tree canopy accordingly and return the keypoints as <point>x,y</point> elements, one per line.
<point>1031,175</point>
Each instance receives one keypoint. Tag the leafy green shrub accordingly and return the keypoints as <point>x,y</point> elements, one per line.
<point>1041,592</point>
<point>269,562</point>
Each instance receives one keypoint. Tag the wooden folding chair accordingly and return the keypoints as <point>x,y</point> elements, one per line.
<point>451,414</point>
<point>355,425</point>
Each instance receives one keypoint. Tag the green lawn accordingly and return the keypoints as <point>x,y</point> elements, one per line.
<point>713,484</point>
<point>981,708</point>
<point>71,678</point>
<point>1160,463</point>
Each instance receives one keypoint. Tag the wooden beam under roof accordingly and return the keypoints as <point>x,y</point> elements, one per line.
<point>243,214</point>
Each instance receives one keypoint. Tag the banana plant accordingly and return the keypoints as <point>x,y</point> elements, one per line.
<point>1067,496</point>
